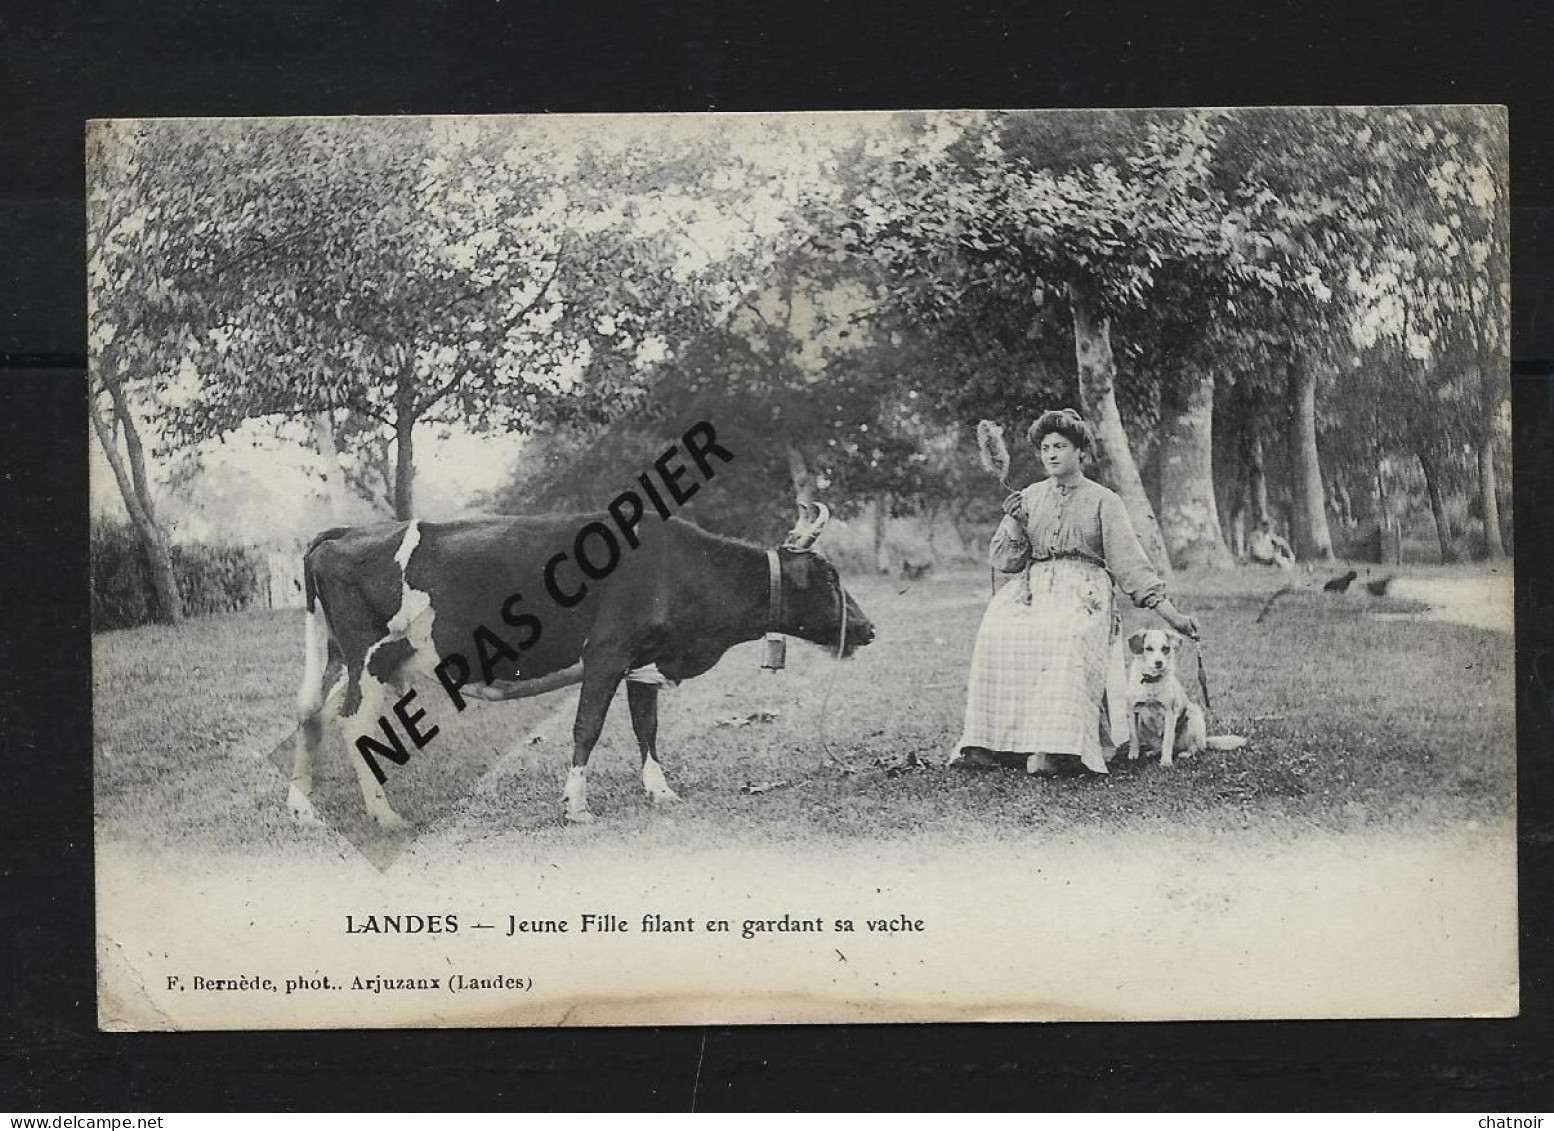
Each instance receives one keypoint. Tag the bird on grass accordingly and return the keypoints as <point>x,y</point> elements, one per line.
<point>1340,584</point>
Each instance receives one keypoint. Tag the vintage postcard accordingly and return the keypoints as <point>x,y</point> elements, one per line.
<point>695,569</point>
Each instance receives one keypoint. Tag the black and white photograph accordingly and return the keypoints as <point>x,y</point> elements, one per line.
<point>691,569</point>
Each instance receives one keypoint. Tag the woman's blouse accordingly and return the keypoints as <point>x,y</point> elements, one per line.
<point>1085,520</point>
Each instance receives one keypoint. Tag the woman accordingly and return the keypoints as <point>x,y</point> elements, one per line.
<point>1039,668</point>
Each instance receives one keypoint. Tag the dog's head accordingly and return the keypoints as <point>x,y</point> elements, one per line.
<point>1156,652</point>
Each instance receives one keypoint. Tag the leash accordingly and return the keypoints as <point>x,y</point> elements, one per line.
<point>841,635</point>
<point>1203,679</point>
<point>776,647</point>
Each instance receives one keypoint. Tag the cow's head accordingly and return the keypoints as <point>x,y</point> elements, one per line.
<point>817,604</point>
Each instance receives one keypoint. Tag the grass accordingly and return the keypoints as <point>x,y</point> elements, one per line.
<point>1355,720</point>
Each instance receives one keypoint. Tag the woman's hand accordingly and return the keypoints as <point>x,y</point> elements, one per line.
<point>1014,507</point>
<point>1177,619</point>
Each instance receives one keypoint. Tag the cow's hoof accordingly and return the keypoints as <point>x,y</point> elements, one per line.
<point>663,796</point>
<point>301,806</point>
<point>579,817</point>
<point>390,822</point>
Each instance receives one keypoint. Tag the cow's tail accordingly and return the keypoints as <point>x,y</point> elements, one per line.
<point>311,695</point>
<point>309,581</point>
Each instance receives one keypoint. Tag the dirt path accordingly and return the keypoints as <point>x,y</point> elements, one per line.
<point>1479,602</point>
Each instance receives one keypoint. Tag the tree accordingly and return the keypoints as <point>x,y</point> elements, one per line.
<point>119,331</point>
<point>1111,215</point>
<point>1434,287</point>
<point>399,272</point>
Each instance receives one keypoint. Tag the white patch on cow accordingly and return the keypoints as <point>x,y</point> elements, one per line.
<point>414,604</point>
<point>575,795</point>
<point>415,618</point>
<point>650,675</point>
<point>653,781</point>
<point>407,547</point>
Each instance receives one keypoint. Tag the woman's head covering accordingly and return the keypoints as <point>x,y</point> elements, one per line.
<point>1066,423</point>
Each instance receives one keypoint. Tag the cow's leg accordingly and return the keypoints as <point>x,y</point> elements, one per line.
<point>366,699</point>
<point>600,681</point>
<point>642,698</point>
<point>311,698</point>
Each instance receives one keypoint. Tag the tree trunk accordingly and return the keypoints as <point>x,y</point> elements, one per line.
<point>1309,533</point>
<point>1489,501</point>
<point>1437,506</point>
<point>1097,391</point>
<point>881,513</point>
<point>1189,512</point>
<point>1344,502</point>
<point>1374,548</point>
<point>334,475</point>
<point>137,502</point>
<point>1237,524</point>
<point>1235,431</point>
<point>1257,480</point>
<point>1488,483</point>
<point>799,473</point>
<point>404,446</point>
<point>958,522</point>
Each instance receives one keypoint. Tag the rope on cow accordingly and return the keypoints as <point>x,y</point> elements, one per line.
<point>825,700</point>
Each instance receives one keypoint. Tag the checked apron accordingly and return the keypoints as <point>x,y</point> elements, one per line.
<point>1041,671</point>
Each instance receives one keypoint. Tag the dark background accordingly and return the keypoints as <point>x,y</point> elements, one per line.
<point>64,63</point>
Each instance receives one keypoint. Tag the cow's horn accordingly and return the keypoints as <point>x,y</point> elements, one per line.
<point>800,528</point>
<point>818,515</point>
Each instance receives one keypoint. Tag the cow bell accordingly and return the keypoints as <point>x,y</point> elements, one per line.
<point>776,653</point>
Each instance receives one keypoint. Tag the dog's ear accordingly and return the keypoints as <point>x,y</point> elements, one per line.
<point>1136,641</point>
<point>1175,639</point>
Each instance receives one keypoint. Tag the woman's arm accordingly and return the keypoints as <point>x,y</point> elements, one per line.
<point>1125,557</point>
<point>1127,562</point>
<point>1010,550</point>
<point>1177,619</point>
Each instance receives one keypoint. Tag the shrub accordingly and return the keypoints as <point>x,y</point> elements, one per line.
<point>122,596</point>
<point>215,579</point>
<point>211,579</point>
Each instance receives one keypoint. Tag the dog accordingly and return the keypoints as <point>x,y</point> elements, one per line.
<point>1159,713</point>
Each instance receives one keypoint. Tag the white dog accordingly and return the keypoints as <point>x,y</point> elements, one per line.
<point>1160,715</point>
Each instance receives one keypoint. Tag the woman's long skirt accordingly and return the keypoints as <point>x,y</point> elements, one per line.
<point>1039,671</point>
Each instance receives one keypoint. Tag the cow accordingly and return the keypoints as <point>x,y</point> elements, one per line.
<point>507,607</point>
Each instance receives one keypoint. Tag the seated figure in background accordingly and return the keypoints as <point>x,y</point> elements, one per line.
<point>1265,547</point>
